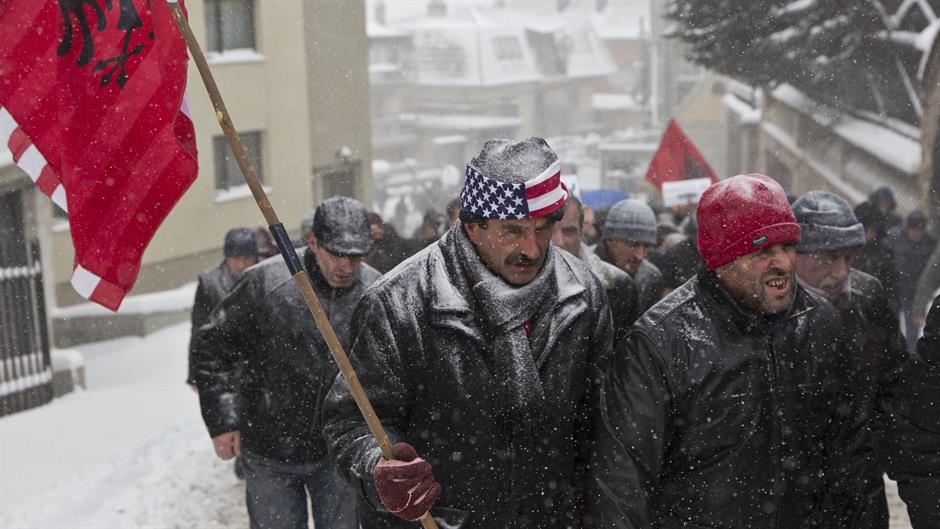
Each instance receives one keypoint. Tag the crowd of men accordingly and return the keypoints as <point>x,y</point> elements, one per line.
<point>753,364</point>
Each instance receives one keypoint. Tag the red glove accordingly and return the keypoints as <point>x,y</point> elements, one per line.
<point>406,485</point>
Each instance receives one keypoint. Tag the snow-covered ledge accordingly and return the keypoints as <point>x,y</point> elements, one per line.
<point>235,193</point>
<point>139,315</point>
<point>236,56</point>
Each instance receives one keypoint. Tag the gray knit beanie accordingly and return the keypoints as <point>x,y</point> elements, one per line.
<point>827,223</point>
<point>631,220</point>
<point>514,161</point>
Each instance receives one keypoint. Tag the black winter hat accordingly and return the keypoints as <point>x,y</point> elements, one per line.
<point>341,225</point>
<point>827,223</point>
<point>868,215</point>
<point>917,219</point>
<point>240,242</point>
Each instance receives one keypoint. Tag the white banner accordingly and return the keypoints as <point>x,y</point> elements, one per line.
<point>682,192</point>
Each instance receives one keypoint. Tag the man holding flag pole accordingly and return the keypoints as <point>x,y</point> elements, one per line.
<point>482,353</point>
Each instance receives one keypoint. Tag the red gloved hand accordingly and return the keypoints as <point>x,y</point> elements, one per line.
<point>406,485</point>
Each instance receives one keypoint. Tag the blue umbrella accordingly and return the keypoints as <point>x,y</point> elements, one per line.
<point>599,198</point>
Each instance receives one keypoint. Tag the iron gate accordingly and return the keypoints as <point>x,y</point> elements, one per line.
<point>25,370</point>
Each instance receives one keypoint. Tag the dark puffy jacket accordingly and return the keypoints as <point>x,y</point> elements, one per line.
<point>648,278</point>
<point>424,359</point>
<point>877,260</point>
<point>874,335</point>
<point>710,418</point>
<point>910,258</point>
<point>622,293</point>
<point>679,263</point>
<point>391,250</point>
<point>912,444</point>
<point>213,284</point>
<point>287,370</point>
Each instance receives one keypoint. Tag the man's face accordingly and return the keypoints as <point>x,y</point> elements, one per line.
<point>568,231</point>
<point>763,282</point>
<point>883,205</point>
<point>827,271</point>
<point>628,255</point>
<point>377,231</point>
<point>915,234</point>
<point>237,265</point>
<point>513,249</point>
<point>339,271</point>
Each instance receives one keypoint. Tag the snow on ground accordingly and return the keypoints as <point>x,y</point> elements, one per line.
<point>130,451</point>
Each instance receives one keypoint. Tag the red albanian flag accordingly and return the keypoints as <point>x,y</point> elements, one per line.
<point>677,159</point>
<point>92,108</point>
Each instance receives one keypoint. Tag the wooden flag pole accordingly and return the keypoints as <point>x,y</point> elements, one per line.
<point>284,245</point>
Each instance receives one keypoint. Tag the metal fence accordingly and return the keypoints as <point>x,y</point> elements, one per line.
<point>25,368</point>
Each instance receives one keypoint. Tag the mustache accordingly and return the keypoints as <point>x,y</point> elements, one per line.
<point>521,259</point>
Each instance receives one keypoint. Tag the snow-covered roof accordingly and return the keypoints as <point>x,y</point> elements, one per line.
<point>745,112</point>
<point>890,144</point>
<point>466,55</point>
<point>449,139</point>
<point>614,102</point>
<point>898,151</point>
<point>623,19</point>
<point>464,122</point>
<point>486,45</point>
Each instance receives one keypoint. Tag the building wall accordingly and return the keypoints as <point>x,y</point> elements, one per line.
<point>337,63</point>
<point>299,104</point>
<point>702,116</point>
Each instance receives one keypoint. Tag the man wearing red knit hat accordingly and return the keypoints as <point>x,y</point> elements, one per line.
<point>727,403</point>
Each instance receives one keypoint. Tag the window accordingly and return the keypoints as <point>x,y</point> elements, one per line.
<point>227,173</point>
<point>507,48</point>
<point>59,214</point>
<point>230,25</point>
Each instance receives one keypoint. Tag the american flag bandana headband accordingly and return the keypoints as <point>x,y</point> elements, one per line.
<point>496,200</point>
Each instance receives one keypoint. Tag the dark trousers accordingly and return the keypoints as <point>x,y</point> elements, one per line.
<point>276,495</point>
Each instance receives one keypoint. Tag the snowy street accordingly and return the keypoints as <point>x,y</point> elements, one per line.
<point>130,451</point>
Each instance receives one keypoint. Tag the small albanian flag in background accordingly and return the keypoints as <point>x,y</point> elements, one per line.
<point>92,107</point>
<point>677,159</point>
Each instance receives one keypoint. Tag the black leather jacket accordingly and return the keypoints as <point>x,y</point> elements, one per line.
<point>287,371</point>
<point>710,418</point>
<point>912,443</point>
<point>213,284</point>
<point>424,358</point>
<point>874,335</point>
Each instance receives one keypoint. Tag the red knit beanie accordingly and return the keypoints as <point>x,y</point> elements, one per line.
<point>741,215</point>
